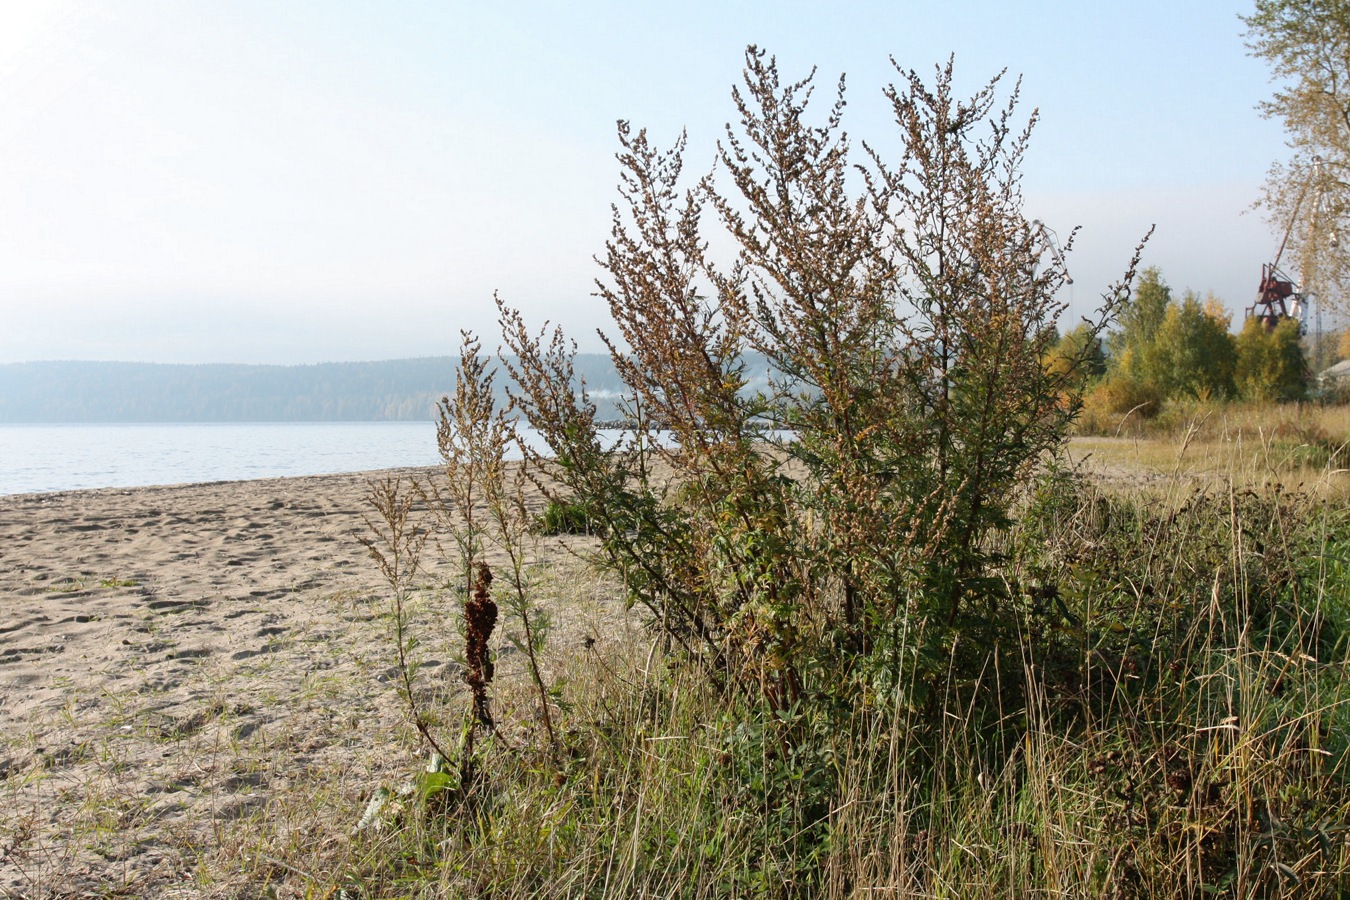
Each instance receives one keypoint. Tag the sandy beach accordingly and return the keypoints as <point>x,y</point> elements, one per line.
<point>192,676</point>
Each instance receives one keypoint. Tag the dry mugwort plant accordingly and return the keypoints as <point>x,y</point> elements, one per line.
<point>480,507</point>
<point>903,308</point>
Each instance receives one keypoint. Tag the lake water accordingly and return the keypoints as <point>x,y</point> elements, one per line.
<point>65,457</point>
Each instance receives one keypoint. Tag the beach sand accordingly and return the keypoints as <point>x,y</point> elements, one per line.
<point>193,676</point>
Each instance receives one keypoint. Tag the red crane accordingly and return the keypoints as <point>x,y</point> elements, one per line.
<point>1279,297</point>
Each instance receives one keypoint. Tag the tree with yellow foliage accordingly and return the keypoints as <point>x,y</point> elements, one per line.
<point>1270,363</point>
<point>1194,355</point>
<point>1179,349</point>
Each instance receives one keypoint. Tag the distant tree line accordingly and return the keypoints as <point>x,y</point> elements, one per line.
<point>1164,348</point>
<point>395,390</point>
<point>403,390</point>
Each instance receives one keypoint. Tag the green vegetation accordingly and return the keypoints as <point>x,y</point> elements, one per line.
<point>906,651</point>
<point>1167,352</point>
<point>563,517</point>
<point>1270,365</point>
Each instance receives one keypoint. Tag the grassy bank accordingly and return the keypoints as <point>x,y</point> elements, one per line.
<point>1173,723</point>
<point>1278,437</point>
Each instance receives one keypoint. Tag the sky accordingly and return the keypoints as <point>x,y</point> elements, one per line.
<point>299,182</point>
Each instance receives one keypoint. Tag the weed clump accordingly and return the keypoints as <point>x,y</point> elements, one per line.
<point>848,561</point>
<point>563,517</point>
<point>891,649</point>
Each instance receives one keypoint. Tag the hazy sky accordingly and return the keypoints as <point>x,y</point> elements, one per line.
<point>283,181</point>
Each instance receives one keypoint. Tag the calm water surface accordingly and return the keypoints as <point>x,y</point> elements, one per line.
<point>65,457</point>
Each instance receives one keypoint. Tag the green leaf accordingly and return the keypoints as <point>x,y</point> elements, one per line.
<point>429,784</point>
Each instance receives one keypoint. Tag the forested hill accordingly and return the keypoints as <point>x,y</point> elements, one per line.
<point>405,389</point>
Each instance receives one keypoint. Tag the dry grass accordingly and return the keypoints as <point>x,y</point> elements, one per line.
<point>1246,445</point>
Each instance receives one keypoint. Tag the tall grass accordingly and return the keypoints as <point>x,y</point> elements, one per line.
<point>1226,420</point>
<point>1177,726</point>
<point>1252,445</point>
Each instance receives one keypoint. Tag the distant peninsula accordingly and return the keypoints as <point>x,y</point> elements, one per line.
<point>391,390</point>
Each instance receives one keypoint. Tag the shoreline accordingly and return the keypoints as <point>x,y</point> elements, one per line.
<point>420,471</point>
<point>182,667</point>
<point>51,459</point>
<point>1108,473</point>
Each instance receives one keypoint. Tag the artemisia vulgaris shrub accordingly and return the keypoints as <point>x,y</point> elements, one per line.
<point>827,542</point>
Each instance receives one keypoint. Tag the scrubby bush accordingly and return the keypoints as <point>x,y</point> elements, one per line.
<point>851,573</point>
<point>1116,403</point>
<point>893,653</point>
<point>906,323</point>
